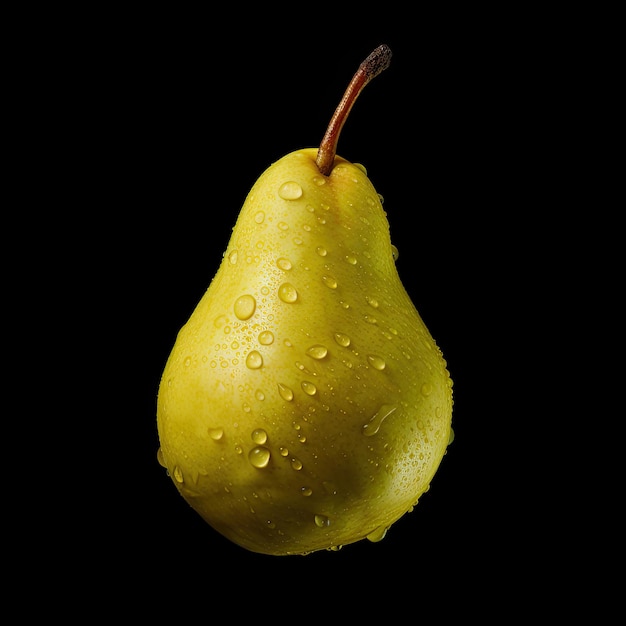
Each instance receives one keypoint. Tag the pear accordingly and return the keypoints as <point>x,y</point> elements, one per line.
<point>305,405</point>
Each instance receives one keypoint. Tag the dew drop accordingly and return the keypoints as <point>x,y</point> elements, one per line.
<point>306,491</point>
<point>319,180</point>
<point>283,226</point>
<point>373,426</point>
<point>370,320</point>
<point>259,436</point>
<point>361,167</point>
<point>330,281</point>
<point>372,302</point>
<point>290,191</point>
<point>284,264</point>
<point>376,362</point>
<point>285,392</point>
<point>342,340</point>
<point>308,388</point>
<point>322,251</point>
<point>259,217</point>
<point>259,395</point>
<point>178,475</point>
<point>232,257</point>
<point>161,458</point>
<point>266,337</point>
<point>394,252</point>
<point>254,360</point>
<point>245,306</point>
<point>296,464</point>
<point>317,351</point>
<point>259,457</point>
<point>351,259</point>
<point>187,361</point>
<point>287,293</point>
<point>378,534</point>
<point>321,521</point>
<point>216,433</point>
<point>426,389</point>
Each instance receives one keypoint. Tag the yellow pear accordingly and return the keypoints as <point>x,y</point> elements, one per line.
<point>305,405</point>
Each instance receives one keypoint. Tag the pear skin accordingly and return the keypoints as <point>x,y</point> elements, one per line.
<point>305,404</point>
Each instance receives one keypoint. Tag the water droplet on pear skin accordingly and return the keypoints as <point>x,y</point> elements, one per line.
<point>290,191</point>
<point>378,534</point>
<point>296,464</point>
<point>259,217</point>
<point>284,264</point>
<point>233,256</point>
<point>161,458</point>
<point>287,293</point>
<point>306,491</point>
<point>178,475</point>
<point>309,388</point>
<point>319,180</point>
<point>329,281</point>
<point>373,426</point>
<point>394,252</point>
<point>378,363</point>
<point>426,389</point>
<point>285,392</point>
<point>321,521</point>
<point>259,457</point>
<point>216,433</point>
<point>254,360</point>
<point>259,436</point>
<point>321,251</point>
<point>317,351</point>
<point>266,338</point>
<point>342,339</point>
<point>245,306</point>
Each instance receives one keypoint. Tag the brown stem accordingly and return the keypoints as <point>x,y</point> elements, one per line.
<point>373,65</point>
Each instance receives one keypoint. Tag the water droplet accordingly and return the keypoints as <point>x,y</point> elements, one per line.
<point>245,307</point>
<point>318,351</point>
<point>319,180</point>
<point>321,521</point>
<point>232,257</point>
<point>178,475</point>
<point>266,337</point>
<point>378,534</point>
<point>290,191</point>
<point>372,302</point>
<point>187,361</point>
<point>259,395</point>
<point>220,321</point>
<point>370,320</point>
<point>376,362</point>
<point>216,433</point>
<point>161,458</point>
<point>342,340</point>
<point>330,281</point>
<point>283,226</point>
<point>361,167</point>
<point>285,392</point>
<point>373,426</point>
<point>238,449</point>
<point>351,259</point>
<point>284,264</point>
<point>308,388</point>
<point>298,241</point>
<point>322,251</point>
<point>259,436</point>
<point>259,217</point>
<point>451,437</point>
<point>306,491</point>
<point>394,252</point>
<point>382,200</point>
<point>296,464</point>
<point>259,457</point>
<point>254,360</point>
<point>287,293</point>
<point>426,389</point>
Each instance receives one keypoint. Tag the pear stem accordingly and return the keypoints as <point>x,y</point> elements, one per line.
<point>372,66</point>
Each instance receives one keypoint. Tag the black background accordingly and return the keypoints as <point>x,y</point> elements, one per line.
<point>157,124</point>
